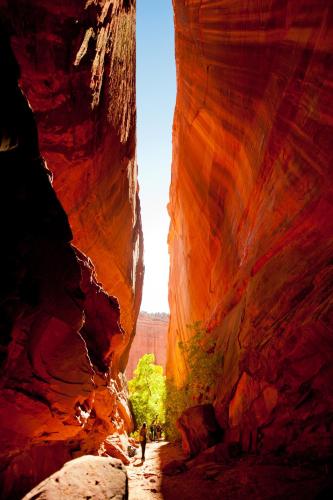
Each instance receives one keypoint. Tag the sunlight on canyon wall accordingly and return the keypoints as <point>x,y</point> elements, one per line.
<point>251,213</point>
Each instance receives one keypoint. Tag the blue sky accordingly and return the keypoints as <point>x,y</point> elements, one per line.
<point>156,93</point>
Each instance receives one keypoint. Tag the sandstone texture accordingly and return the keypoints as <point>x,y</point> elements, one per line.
<point>199,429</point>
<point>82,478</point>
<point>78,64</point>
<point>151,337</point>
<point>252,217</point>
<point>62,390</point>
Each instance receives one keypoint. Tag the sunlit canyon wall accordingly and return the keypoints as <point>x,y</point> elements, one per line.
<point>150,337</point>
<point>252,216</point>
<point>65,325</point>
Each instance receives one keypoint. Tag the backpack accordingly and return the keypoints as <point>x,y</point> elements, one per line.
<point>131,451</point>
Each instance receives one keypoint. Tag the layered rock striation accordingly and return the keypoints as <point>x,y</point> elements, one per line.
<point>150,337</point>
<point>78,62</point>
<point>62,390</point>
<point>251,215</point>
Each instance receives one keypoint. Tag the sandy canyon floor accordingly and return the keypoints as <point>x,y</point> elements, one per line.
<point>248,478</point>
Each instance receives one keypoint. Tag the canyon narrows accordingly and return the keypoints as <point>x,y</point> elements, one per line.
<point>63,344</point>
<point>252,218</point>
<point>250,242</point>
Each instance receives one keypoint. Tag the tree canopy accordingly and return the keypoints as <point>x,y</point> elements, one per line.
<point>147,391</point>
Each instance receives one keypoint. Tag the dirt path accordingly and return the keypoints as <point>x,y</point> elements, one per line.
<point>145,478</point>
<point>248,478</point>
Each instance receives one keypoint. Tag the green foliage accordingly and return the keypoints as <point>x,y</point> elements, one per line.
<point>135,435</point>
<point>147,391</point>
<point>176,402</point>
<point>204,365</point>
<point>152,395</point>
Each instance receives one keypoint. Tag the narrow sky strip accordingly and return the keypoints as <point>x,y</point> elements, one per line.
<point>156,94</point>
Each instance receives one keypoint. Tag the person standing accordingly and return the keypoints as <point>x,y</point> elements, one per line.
<point>143,440</point>
<point>158,432</point>
<point>152,431</point>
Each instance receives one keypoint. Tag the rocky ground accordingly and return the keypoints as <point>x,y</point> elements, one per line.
<point>145,478</point>
<point>244,478</point>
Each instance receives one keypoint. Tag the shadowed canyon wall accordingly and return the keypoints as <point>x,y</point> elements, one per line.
<point>78,65</point>
<point>252,217</point>
<point>150,337</point>
<point>63,346</point>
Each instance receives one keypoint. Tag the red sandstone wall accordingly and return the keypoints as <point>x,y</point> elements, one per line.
<point>62,346</point>
<point>251,213</point>
<point>150,337</point>
<point>78,66</point>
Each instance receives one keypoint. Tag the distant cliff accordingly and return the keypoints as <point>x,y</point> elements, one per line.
<point>151,337</point>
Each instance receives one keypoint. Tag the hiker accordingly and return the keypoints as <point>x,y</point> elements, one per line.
<point>158,432</point>
<point>152,432</point>
<point>143,440</point>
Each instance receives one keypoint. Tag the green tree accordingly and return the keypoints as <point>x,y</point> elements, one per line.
<point>147,391</point>
<point>204,367</point>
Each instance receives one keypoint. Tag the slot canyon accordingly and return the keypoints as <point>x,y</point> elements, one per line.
<point>250,244</point>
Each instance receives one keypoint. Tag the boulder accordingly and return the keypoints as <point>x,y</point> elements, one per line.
<point>199,429</point>
<point>82,478</point>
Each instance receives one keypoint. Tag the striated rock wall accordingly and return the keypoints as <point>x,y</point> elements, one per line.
<point>251,214</point>
<point>78,62</point>
<point>62,346</point>
<point>150,337</point>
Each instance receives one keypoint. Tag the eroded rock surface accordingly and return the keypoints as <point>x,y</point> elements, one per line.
<point>78,62</point>
<point>199,429</point>
<point>62,391</point>
<point>85,477</point>
<point>252,217</point>
<point>150,337</point>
